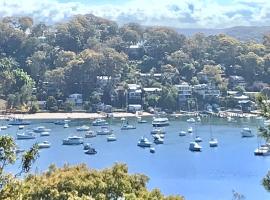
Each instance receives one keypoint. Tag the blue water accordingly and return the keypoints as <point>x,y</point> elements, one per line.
<point>211,174</point>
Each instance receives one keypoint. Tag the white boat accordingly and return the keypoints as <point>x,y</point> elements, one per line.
<point>140,120</point>
<point>66,125</point>
<point>182,133</point>
<point>26,135</point>
<point>18,122</point>
<point>198,139</point>
<point>41,129</point>
<point>213,142</point>
<point>158,135</point>
<point>160,122</point>
<point>104,131</point>
<point>263,150</point>
<point>90,151</point>
<point>266,122</point>
<point>3,127</point>
<point>144,142</point>
<point>45,133</point>
<point>126,126</point>
<point>199,119</point>
<point>246,132</point>
<point>111,138</point>
<point>83,128</point>
<point>90,134</point>
<point>44,144</point>
<point>73,140</point>
<point>60,122</point>
<point>158,130</point>
<point>99,122</point>
<point>152,150</point>
<point>21,127</point>
<point>194,146</point>
<point>190,130</point>
<point>158,140</point>
<point>191,120</point>
<point>86,146</point>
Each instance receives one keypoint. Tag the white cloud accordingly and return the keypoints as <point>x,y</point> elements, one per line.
<point>177,13</point>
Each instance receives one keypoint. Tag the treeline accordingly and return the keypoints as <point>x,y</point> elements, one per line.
<point>38,60</point>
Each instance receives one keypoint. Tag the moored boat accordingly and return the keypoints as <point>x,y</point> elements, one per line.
<point>144,142</point>
<point>73,140</point>
<point>182,133</point>
<point>213,142</point>
<point>45,133</point>
<point>104,131</point>
<point>41,129</point>
<point>160,121</point>
<point>99,122</point>
<point>111,138</point>
<point>158,130</point>
<point>194,146</point>
<point>83,128</point>
<point>26,135</point>
<point>44,144</point>
<point>90,134</point>
<point>246,132</point>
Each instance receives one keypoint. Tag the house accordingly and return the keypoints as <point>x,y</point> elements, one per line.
<point>136,51</point>
<point>184,91</point>
<point>156,76</point>
<point>76,99</point>
<point>151,90</point>
<point>134,94</point>
<point>236,81</point>
<point>206,90</point>
<point>134,108</point>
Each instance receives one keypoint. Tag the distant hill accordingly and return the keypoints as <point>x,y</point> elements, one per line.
<point>244,33</point>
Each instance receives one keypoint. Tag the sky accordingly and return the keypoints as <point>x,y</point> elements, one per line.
<point>174,13</point>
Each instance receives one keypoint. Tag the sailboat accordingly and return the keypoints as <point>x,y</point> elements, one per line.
<point>197,138</point>
<point>213,142</point>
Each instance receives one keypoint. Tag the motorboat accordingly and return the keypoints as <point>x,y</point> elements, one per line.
<point>199,119</point>
<point>152,150</point>
<point>83,128</point>
<point>111,138</point>
<point>60,122</point>
<point>266,122</point>
<point>158,135</point>
<point>194,146</point>
<point>66,125</point>
<point>126,126</point>
<point>144,142</point>
<point>90,134</point>
<point>73,140</point>
<point>99,122</point>
<point>182,133</point>
<point>18,122</point>
<point>160,121</point>
<point>263,150</point>
<point>104,131</point>
<point>21,127</point>
<point>158,140</point>
<point>90,151</point>
<point>44,144</point>
<point>246,132</point>
<point>158,130</point>
<point>190,130</point>
<point>41,129</point>
<point>26,135</point>
<point>198,139</point>
<point>213,142</point>
<point>3,127</point>
<point>45,133</point>
<point>191,120</point>
<point>86,146</point>
<point>140,120</point>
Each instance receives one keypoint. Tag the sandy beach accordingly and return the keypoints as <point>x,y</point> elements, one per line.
<point>73,115</point>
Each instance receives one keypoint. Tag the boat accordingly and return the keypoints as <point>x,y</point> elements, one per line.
<point>191,120</point>
<point>83,128</point>
<point>158,135</point>
<point>158,140</point>
<point>198,139</point>
<point>246,132</point>
<point>152,150</point>
<point>158,130</point>
<point>213,142</point>
<point>126,126</point>
<point>182,133</point>
<point>263,150</point>
<point>60,122</point>
<point>41,129</point>
<point>190,130</point>
<point>266,122</point>
<point>111,138</point>
<point>66,125</point>
<point>160,121</point>
<point>199,119</point>
<point>45,133</point>
<point>18,122</point>
<point>141,121</point>
<point>194,146</point>
<point>90,134</point>
<point>144,142</point>
<point>104,131</point>
<point>26,135</point>
<point>99,122</point>
<point>73,140</point>
<point>3,127</point>
<point>86,146</point>
<point>21,127</point>
<point>90,151</point>
<point>44,144</point>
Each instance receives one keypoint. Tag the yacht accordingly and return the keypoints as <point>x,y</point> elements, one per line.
<point>83,128</point>
<point>263,150</point>
<point>160,122</point>
<point>45,133</point>
<point>144,142</point>
<point>140,120</point>
<point>44,144</point>
<point>191,120</point>
<point>127,127</point>
<point>99,122</point>
<point>194,146</point>
<point>158,135</point>
<point>73,140</point>
<point>190,130</point>
<point>213,142</point>
<point>26,135</point>
<point>111,138</point>
<point>90,134</point>
<point>41,129</point>
<point>66,125</point>
<point>21,127</point>
<point>198,139</point>
<point>104,131</point>
<point>3,127</point>
<point>246,132</point>
<point>182,133</point>
<point>158,140</point>
<point>18,122</point>
<point>152,150</point>
<point>158,130</point>
<point>90,151</point>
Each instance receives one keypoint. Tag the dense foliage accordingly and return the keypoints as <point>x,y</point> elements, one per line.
<point>66,58</point>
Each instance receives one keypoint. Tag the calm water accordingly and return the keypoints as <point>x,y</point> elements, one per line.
<point>211,174</point>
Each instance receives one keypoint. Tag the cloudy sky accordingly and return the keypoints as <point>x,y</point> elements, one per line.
<point>176,13</point>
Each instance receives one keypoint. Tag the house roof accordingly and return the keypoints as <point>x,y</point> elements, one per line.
<point>152,89</point>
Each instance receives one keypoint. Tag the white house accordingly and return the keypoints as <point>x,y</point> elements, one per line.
<point>76,99</point>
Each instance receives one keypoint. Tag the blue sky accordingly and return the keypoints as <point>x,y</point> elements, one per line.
<point>176,13</point>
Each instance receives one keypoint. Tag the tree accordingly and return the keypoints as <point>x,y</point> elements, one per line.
<point>51,104</point>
